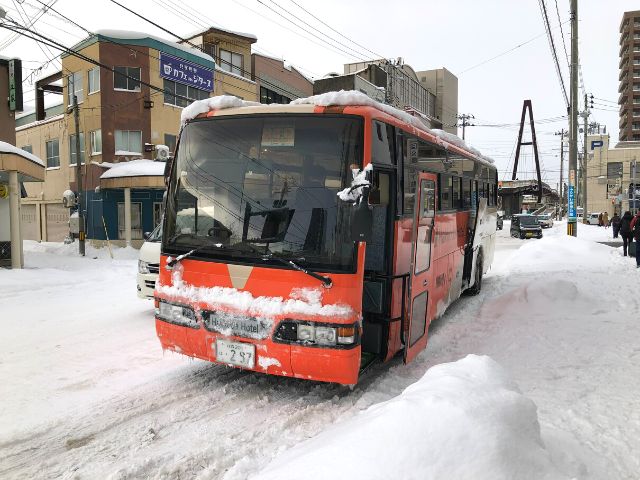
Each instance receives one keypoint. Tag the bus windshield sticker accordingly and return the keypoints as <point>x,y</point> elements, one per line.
<point>278,136</point>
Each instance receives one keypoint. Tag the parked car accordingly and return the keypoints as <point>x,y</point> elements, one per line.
<point>525,226</point>
<point>149,263</point>
<point>592,219</point>
<point>545,220</point>
<point>500,221</point>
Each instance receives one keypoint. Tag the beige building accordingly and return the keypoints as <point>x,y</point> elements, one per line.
<point>610,175</point>
<point>444,85</point>
<point>629,89</point>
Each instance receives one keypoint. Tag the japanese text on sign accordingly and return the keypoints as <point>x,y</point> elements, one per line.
<point>188,73</point>
<point>571,200</point>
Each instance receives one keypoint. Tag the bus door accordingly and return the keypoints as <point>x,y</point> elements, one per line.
<point>420,277</point>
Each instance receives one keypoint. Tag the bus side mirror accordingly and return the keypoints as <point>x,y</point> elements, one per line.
<point>362,219</point>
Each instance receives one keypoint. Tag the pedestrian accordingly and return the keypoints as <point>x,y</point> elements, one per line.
<point>600,219</point>
<point>635,231</point>
<point>615,224</point>
<point>605,219</point>
<point>625,230</point>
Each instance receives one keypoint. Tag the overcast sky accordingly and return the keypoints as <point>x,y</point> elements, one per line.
<point>463,36</point>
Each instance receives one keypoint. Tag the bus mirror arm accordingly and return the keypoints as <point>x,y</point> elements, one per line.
<point>362,219</point>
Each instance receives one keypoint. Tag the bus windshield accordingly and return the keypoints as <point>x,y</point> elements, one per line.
<point>245,188</point>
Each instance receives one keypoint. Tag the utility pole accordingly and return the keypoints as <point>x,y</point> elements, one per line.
<point>572,223</point>
<point>465,117</point>
<point>76,116</point>
<point>585,117</point>
<point>562,134</point>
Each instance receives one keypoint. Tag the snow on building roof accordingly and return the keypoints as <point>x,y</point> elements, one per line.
<point>8,148</point>
<point>231,32</point>
<point>135,168</point>
<point>133,35</point>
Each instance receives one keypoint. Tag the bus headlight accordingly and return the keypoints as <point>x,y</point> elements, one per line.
<point>317,335</point>
<point>178,314</point>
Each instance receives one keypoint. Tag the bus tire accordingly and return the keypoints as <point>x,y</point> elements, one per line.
<point>477,286</point>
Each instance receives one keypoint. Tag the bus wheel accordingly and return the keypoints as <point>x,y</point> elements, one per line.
<point>477,286</point>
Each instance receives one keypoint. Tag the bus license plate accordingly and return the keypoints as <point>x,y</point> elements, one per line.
<point>236,353</point>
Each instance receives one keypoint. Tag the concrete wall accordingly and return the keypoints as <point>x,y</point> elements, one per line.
<point>444,85</point>
<point>274,75</point>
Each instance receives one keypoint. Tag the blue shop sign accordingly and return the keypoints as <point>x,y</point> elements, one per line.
<point>571,201</point>
<point>188,73</point>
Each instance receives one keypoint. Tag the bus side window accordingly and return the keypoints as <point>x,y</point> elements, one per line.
<point>382,143</point>
<point>380,188</point>
<point>446,189</point>
<point>466,193</point>
<point>457,200</point>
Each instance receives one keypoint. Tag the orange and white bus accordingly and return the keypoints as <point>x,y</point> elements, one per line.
<point>307,241</point>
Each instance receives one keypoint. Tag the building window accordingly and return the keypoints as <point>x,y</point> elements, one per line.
<point>174,93</point>
<point>27,148</point>
<point>96,142</point>
<point>73,157</point>
<point>614,170</point>
<point>269,96</point>
<point>126,78</point>
<point>129,141</point>
<point>170,141</point>
<point>53,154</point>
<point>75,87</point>
<point>231,62</point>
<point>94,80</point>
<point>136,221</point>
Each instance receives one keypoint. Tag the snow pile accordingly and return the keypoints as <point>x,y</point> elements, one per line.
<point>135,168</point>
<point>560,252</point>
<point>300,302</point>
<point>219,102</point>
<point>462,420</point>
<point>71,250</point>
<point>8,148</point>
<point>351,194</point>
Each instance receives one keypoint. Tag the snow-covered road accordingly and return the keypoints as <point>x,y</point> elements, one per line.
<point>87,392</point>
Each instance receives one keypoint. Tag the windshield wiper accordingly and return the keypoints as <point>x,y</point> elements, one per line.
<point>179,258</point>
<point>326,281</point>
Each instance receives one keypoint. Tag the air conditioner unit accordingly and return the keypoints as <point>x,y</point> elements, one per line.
<point>69,199</point>
<point>162,152</point>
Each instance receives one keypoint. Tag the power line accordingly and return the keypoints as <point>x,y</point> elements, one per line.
<point>505,52</point>
<point>52,43</point>
<point>311,33</point>
<point>564,44</point>
<point>321,32</point>
<point>197,47</point>
<point>554,54</point>
<point>336,31</point>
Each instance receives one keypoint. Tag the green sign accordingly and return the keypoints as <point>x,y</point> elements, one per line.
<point>15,85</point>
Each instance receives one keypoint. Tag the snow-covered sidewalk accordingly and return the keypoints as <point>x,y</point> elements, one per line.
<point>87,392</point>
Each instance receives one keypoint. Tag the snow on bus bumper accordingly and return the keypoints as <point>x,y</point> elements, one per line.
<point>316,356</point>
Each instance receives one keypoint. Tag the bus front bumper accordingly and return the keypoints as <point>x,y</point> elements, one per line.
<point>335,365</point>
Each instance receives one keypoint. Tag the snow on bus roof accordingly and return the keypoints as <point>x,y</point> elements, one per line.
<point>219,102</point>
<point>342,98</point>
<point>353,97</point>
